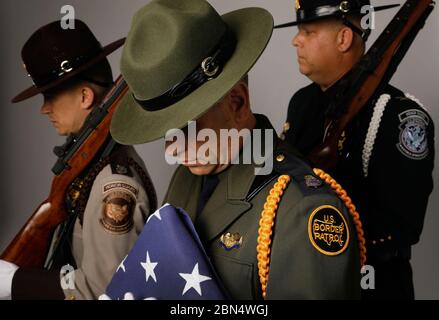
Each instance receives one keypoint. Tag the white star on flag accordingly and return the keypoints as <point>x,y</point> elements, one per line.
<point>149,268</point>
<point>122,266</point>
<point>193,280</point>
<point>156,214</point>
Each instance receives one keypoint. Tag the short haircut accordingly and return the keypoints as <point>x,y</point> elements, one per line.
<point>99,78</point>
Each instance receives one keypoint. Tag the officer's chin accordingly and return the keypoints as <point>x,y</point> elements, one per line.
<point>61,132</point>
<point>206,169</point>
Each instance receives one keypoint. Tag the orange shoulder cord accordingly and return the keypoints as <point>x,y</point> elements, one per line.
<point>266,229</point>
<point>268,215</point>
<point>342,194</point>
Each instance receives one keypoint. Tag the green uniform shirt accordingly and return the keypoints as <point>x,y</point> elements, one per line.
<point>314,250</point>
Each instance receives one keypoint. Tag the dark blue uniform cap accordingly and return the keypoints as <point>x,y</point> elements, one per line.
<point>310,10</point>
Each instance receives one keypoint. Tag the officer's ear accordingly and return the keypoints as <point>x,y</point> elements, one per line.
<point>87,97</point>
<point>345,39</point>
<point>239,102</point>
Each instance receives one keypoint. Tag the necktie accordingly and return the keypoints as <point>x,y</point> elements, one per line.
<point>209,184</point>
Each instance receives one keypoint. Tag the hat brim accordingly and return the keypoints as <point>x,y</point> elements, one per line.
<point>34,90</point>
<point>295,23</point>
<point>131,124</point>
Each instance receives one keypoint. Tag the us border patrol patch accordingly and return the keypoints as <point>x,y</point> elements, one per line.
<point>328,231</point>
<point>413,134</point>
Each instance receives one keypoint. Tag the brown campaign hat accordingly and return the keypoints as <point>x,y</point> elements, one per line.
<point>53,55</point>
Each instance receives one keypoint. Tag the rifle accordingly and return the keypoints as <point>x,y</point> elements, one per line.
<point>31,245</point>
<point>370,75</point>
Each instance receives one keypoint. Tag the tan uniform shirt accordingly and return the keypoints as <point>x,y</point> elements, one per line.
<point>114,217</point>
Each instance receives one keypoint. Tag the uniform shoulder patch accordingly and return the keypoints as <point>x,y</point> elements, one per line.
<point>118,207</point>
<point>117,185</point>
<point>120,164</point>
<point>413,142</point>
<point>328,230</point>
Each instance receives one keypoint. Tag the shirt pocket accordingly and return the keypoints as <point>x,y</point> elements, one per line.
<point>238,277</point>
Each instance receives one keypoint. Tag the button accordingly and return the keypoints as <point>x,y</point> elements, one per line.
<point>71,297</point>
<point>280,158</point>
<point>286,126</point>
<point>389,238</point>
<point>374,242</point>
<point>381,240</point>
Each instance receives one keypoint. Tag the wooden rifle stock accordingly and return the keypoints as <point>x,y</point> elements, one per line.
<point>371,74</point>
<point>31,245</point>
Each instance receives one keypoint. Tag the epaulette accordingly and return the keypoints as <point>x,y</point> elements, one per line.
<point>119,163</point>
<point>288,161</point>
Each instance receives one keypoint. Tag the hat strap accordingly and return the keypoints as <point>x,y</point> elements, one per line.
<point>363,34</point>
<point>210,68</point>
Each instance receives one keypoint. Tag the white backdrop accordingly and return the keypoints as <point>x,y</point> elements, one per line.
<point>28,138</point>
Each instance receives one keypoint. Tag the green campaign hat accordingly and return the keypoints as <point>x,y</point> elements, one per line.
<point>180,58</point>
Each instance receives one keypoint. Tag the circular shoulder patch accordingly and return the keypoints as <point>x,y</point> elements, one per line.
<point>117,214</point>
<point>328,230</point>
<point>413,134</point>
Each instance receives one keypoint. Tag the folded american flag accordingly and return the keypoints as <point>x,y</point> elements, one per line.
<point>168,262</point>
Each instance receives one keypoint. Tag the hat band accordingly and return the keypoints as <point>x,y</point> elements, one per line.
<point>341,11</point>
<point>65,67</point>
<point>345,7</point>
<point>210,68</point>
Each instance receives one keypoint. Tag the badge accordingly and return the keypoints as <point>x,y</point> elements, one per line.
<point>231,241</point>
<point>312,182</point>
<point>413,134</point>
<point>118,207</point>
<point>328,230</point>
<point>74,192</point>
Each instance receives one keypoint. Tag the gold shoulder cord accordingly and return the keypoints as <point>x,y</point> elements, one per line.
<point>266,229</point>
<point>268,215</point>
<point>342,194</point>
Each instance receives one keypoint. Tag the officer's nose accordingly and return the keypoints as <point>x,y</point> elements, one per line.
<point>45,108</point>
<point>296,40</point>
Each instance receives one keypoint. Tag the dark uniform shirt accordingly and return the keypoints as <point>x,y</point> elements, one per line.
<point>392,198</point>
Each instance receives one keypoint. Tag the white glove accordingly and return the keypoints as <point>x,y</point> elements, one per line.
<point>7,271</point>
<point>127,296</point>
